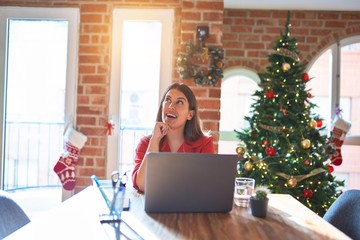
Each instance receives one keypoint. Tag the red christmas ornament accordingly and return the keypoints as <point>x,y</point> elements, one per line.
<point>270,94</point>
<point>309,95</point>
<point>337,161</point>
<point>307,193</point>
<point>270,151</point>
<point>307,162</point>
<point>319,123</point>
<point>331,168</point>
<point>305,77</point>
<point>265,142</point>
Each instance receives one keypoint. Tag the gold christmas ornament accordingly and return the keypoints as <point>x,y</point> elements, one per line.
<point>305,143</point>
<point>313,124</point>
<point>240,150</point>
<point>219,64</point>
<point>292,182</point>
<point>285,67</point>
<point>248,165</point>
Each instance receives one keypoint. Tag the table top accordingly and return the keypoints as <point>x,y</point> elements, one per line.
<point>78,218</point>
<point>287,218</point>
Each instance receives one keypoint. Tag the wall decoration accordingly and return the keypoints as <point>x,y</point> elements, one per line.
<point>109,127</point>
<point>204,64</point>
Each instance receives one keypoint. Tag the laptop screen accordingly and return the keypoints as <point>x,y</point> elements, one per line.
<point>189,182</point>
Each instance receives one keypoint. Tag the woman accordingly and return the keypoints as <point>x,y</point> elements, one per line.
<point>177,129</point>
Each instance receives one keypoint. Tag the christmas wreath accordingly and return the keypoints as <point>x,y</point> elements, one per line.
<point>204,64</point>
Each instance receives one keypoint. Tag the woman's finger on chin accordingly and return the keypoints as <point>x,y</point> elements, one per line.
<point>163,130</point>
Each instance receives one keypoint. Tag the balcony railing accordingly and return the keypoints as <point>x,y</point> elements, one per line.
<point>31,151</point>
<point>33,148</point>
<point>129,139</point>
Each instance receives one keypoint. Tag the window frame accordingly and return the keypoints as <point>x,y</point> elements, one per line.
<point>72,15</point>
<point>335,80</point>
<point>229,73</point>
<point>166,16</point>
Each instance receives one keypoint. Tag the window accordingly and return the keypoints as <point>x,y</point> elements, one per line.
<point>334,86</point>
<point>141,70</point>
<point>38,59</point>
<point>236,98</point>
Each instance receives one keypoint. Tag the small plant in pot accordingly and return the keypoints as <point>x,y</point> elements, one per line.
<point>259,202</point>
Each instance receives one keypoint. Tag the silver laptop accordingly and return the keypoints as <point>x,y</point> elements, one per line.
<point>189,182</point>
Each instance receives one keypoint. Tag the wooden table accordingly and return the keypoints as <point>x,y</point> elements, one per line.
<point>78,218</point>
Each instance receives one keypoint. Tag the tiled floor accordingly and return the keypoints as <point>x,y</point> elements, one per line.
<point>38,200</point>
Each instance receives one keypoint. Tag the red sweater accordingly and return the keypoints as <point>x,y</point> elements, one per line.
<point>203,145</point>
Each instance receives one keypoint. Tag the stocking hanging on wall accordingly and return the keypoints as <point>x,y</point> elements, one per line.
<point>340,129</point>
<point>65,167</point>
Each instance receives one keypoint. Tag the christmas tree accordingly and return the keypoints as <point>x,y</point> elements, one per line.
<point>282,147</point>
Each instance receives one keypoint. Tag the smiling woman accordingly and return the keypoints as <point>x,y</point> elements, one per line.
<point>177,129</point>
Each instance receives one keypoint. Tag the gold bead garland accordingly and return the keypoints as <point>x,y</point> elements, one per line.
<point>287,53</point>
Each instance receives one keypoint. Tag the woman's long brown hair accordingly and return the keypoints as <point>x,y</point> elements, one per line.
<point>192,130</point>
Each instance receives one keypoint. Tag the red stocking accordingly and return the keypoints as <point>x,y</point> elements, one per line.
<point>340,129</point>
<point>65,167</point>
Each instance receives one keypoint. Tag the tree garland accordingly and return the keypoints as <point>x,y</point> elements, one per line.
<point>203,64</point>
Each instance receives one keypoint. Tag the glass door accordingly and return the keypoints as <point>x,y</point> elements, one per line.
<point>38,84</point>
<point>34,112</point>
<point>141,70</point>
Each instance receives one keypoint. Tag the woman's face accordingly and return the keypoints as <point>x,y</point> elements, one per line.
<point>175,109</point>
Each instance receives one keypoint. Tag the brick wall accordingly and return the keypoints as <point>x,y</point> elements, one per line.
<point>248,35</point>
<point>94,66</point>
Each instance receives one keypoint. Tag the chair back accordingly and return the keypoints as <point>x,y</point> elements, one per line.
<point>344,213</point>
<point>12,217</point>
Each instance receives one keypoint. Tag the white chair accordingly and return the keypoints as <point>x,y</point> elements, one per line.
<point>12,217</point>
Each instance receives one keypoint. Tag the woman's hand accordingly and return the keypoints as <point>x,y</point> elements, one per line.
<point>160,130</point>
